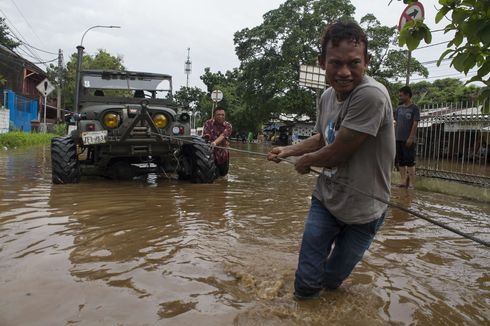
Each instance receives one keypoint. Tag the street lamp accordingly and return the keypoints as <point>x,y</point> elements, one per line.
<point>80,49</point>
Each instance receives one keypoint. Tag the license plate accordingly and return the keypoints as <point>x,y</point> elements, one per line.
<point>94,137</point>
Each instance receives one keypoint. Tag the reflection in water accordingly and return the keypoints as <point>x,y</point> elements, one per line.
<point>156,251</point>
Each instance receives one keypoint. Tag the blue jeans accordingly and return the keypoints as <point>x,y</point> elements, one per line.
<point>319,265</point>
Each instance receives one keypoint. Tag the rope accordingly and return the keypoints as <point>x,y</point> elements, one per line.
<point>389,203</point>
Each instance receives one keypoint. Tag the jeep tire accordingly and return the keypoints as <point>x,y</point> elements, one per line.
<point>201,159</point>
<point>64,161</point>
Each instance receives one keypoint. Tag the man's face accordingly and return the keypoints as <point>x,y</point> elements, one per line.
<point>404,98</point>
<point>219,116</point>
<point>345,65</point>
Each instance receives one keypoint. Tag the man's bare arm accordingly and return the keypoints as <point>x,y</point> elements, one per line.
<point>346,143</point>
<point>413,134</point>
<point>311,144</point>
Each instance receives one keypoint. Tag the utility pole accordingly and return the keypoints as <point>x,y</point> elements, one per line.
<point>408,67</point>
<point>188,67</point>
<point>60,80</point>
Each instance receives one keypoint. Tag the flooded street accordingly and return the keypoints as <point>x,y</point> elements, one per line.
<point>164,252</point>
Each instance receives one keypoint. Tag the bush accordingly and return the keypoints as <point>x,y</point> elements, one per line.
<point>18,138</point>
<point>60,129</point>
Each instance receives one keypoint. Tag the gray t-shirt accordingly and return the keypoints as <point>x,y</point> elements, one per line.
<point>404,117</point>
<point>368,110</point>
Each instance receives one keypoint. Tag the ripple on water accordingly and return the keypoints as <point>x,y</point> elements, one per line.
<point>154,250</point>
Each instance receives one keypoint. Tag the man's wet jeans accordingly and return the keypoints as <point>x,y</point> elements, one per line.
<point>322,232</point>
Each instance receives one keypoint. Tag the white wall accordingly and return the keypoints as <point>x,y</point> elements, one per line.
<point>4,120</point>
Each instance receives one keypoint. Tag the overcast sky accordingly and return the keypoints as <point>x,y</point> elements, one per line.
<point>155,34</point>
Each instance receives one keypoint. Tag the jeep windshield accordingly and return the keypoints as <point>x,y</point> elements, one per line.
<point>126,84</point>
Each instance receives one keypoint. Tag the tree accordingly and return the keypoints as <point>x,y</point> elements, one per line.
<point>242,116</point>
<point>190,97</point>
<point>6,41</point>
<point>386,61</point>
<point>101,60</point>
<point>272,52</point>
<point>5,38</point>
<point>442,91</point>
<point>470,47</point>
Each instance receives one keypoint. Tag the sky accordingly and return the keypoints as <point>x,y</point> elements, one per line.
<point>155,34</point>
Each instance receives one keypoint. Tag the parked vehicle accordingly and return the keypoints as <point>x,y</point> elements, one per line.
<point>128,125</point>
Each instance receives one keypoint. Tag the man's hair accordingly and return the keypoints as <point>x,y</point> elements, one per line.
<point>343,31</point>
<point>218,109</point>
<point>406,90</point>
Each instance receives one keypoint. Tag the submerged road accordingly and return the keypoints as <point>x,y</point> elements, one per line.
<point>155,251</point>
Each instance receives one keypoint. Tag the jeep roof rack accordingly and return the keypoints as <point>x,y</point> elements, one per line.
<point>127,80</point>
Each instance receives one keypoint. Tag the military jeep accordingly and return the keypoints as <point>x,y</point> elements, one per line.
<point>127,125</point>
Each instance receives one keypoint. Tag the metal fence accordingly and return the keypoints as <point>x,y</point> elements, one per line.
<point>453,142</point>
<point>22,110</point>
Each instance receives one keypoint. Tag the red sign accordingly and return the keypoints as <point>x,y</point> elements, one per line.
<point>413,11</point>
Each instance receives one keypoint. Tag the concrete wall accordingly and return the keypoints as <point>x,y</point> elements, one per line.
<point>4,120</point>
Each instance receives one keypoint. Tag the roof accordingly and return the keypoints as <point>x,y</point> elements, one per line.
<point>98,72</point>
<point>16,57</point>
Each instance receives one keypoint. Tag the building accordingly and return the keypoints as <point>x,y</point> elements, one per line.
<point>19,94</point>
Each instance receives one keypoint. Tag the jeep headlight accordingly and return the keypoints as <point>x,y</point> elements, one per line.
<point>160,121</point>
<point>111,120</point>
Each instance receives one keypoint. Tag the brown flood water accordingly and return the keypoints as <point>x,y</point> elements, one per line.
<point>163,252</point>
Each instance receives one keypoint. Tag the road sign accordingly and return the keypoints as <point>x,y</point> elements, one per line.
<point>217,95</point>
<point>413,11</point>
<point>45,87</point>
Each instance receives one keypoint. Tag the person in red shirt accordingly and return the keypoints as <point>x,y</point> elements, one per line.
<point>218,131</point>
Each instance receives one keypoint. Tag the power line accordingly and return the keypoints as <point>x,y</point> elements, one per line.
<point>431,45</point>
<point>32,46</point>
<point>10,28</point>
<point>42,62</point>
<point>28,24</point>
<point>448,75</point>
<point>434,61</point>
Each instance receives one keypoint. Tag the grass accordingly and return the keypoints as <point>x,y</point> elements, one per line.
<point>15,139</point>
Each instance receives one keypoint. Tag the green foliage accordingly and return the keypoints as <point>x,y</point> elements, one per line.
<point>101,60</point>
<point>16,139</point>
<point>5,38</point>
<point>413,32</point>
<point>470,47</point>
<point>3,81</point>
<point>442,91</point>
<point>386,61</point>
<point>60,129</point>
<point>242,116</point>
<point>190,97</point>
<point>271,53</point>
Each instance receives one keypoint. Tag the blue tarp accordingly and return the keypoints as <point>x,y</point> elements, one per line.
<point>274,126</point>
<point>22,110</point>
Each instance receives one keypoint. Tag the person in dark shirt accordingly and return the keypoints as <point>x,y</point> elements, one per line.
<point>407,116</point>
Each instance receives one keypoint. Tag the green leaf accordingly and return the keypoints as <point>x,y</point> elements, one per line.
<point>459,16</point>
<point>427,36</point>
<point>484,69</point>
<point>440,15</point>
<point>484,34</point>
<point>443,55</point>
<point>469,62</point>
<point>412,42</point>
<point>474,79</point>
<point>458,38</point>
<point>458,61</point>
<point>402,39</point>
